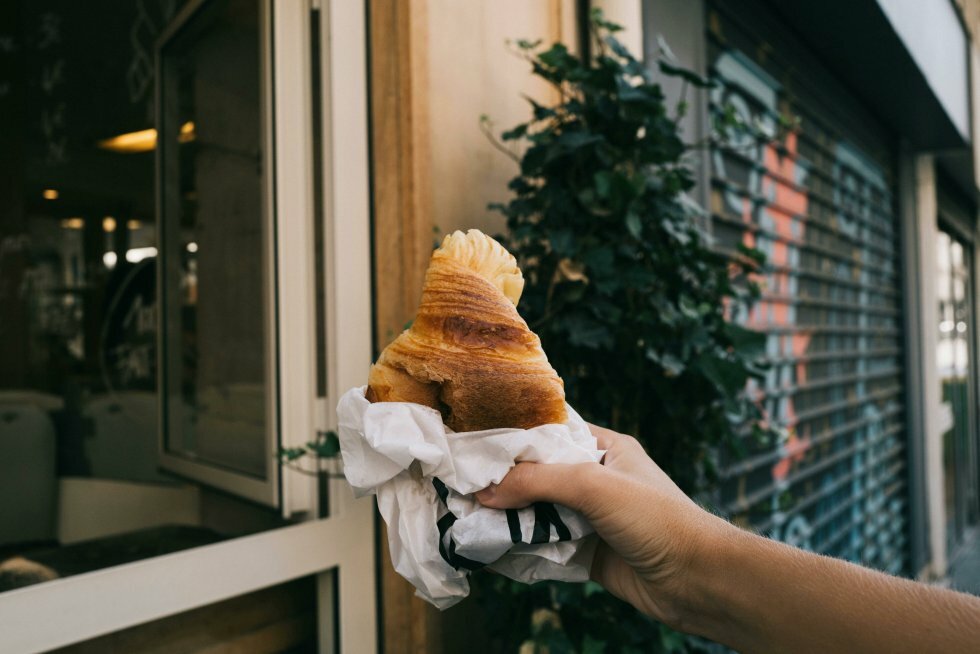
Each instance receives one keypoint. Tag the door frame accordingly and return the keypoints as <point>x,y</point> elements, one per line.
<point>340,549</point>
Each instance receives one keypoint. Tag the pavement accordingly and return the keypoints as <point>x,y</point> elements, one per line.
<point>964,572</point>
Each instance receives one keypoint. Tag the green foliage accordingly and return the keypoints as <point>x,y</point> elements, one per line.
<point>623,287</point>
<point>326,446</point>
<point>630,301</point>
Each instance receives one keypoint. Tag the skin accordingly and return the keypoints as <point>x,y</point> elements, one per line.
<point>697,573</point>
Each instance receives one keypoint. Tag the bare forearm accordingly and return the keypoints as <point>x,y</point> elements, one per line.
<point>699,574</point>
<point>757,595</point>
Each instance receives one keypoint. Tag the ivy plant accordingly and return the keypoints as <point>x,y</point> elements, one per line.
<point>632,302</point>
<point>326,447</point>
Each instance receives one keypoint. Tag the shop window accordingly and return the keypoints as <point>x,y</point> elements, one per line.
<point>101,206</point>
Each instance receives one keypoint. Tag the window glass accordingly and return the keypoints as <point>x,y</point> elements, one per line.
<point>213,225</point>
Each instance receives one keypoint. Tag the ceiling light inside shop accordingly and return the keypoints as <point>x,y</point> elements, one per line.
<point>144,140</point>
<point>133,225</point>
<point>109,224</point>
<point>73,223</point>
<point>109,259</point>
<point>136,255</point>
<point>192,247</point>
<point>50,194</point>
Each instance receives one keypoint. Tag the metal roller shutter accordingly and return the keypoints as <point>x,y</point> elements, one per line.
<point>820,204</point>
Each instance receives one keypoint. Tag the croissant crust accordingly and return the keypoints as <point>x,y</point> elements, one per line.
<point>468,353</point>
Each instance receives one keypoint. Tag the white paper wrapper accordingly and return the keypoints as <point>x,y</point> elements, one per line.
<point>424,476</point>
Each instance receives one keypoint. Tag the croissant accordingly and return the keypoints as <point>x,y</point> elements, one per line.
<point>468,353</point>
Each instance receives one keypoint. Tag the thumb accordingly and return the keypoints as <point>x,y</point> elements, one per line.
<point>577,486</point>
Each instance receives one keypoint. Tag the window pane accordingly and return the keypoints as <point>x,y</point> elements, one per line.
<point>214,229</point>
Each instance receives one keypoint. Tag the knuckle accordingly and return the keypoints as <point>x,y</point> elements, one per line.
<point>591,487</point>
<point>603,431</point>
<point>631,443</point>
<point>520,479</point>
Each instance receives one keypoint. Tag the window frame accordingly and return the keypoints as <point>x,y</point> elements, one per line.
<point>264,490</point>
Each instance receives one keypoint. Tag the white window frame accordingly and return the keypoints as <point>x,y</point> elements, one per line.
<point>61,612</point>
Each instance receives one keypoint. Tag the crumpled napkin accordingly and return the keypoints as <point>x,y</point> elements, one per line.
<point>424,475</point>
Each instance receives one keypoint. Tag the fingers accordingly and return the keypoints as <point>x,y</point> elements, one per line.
<point>604,437</point>
<point>526,483</point>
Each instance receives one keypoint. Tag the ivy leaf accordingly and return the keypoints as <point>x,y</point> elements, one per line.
<point>575,140</point>
<point>671,364</point>
<point>326,447</point>
<point>562,241</point>
<point>672,641</point>
<point>603,183</point>
<point>525,44</point>
<point>689,76</point>
<point>749,343</point>
<point>591,645</point>
<point>556,57</point>
<point>540,112</point>
<point>599,261</point>
<point>584,331</point>
<point>598,18</point>
<point>290,453</point>
<point>680,232</point>
<point>618,48</point>
<point>591,588</point>
<point>634,225</point>
<point>728,376</point>
<point>515,133</point>
<point>755,255</point>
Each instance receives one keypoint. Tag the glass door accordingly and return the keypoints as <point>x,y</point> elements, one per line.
<point>954,290</point>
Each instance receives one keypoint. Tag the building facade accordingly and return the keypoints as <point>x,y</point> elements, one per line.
<point>214,213</point>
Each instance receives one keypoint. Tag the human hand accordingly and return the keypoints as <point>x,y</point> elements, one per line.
<point>652,535</point>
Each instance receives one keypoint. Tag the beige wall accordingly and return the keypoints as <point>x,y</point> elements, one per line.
<point>472,71</point>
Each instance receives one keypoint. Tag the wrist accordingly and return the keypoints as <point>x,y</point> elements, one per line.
<point>708,576</point>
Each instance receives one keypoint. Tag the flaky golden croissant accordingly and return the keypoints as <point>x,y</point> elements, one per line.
<point>469,354</point>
